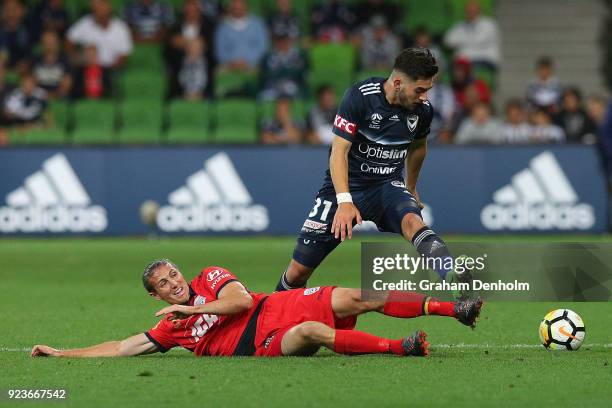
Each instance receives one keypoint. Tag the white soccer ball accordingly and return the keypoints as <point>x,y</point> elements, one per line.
<point>562,329</point>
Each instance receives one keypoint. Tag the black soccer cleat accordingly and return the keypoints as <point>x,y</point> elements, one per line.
<point>468,310</point>
<point>416,345</point>
<point>461,276</point>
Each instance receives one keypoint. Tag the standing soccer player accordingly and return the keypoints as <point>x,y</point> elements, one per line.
<point>381,128</point>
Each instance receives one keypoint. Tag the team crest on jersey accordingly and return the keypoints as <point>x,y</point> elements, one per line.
<point>412,121</point>
<point>375,121</point>
<point>310,291</point>
<point>199,300</point>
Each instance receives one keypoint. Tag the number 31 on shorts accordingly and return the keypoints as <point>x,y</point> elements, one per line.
<point>326,207</point>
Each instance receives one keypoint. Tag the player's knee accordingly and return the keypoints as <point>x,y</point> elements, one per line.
<point>312,332</point>
<point>411,223</point>
<point>354,297</point>
<point>299,270</point>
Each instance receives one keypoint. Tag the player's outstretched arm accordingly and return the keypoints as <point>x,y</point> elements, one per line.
<point>342,226</point>
<point>132,346</point>
<point>232,299</point>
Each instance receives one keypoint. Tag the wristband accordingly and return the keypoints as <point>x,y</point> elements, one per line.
<point>344,198</point>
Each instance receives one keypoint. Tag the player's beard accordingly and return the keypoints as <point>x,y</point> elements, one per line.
<point>405,101</point>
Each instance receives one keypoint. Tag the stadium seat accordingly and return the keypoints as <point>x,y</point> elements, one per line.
<point>333,64</point>
<point>55,133</point>
<point>94,121</point>
<point>140,121</point>
<point>146,57</point>
<point>266,110</point>
<point>433,14</point>
<point>235,120</point>
<point>235,83</point>
<point>118,6</point>
<point>366,73</point>
<point>143,84</point>
<point>188,122</point>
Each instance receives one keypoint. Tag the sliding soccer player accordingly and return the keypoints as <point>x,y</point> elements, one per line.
<point>216,315</point>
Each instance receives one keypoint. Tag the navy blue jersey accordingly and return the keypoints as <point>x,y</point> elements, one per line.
<point>381,133</point>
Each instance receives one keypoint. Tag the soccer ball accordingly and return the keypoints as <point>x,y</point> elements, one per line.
<point>562,329</point>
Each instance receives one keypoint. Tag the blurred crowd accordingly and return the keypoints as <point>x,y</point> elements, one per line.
<point>48,53</point>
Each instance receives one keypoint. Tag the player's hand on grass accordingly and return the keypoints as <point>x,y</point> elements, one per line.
<point>40,350</point>
<point>178,311</point>
<point>342,226</point>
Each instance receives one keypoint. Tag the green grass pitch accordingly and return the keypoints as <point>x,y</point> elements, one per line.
<point>77,292</point>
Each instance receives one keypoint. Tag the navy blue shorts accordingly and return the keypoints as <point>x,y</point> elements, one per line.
<point>385,204</point>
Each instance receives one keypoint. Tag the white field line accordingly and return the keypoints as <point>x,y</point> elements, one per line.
<point>506,346</point>
<point>433,346</point>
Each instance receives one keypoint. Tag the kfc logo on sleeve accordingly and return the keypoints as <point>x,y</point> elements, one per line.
<point>345,125</point>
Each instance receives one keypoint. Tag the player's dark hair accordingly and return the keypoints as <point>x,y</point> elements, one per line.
<point>150,268</point>
<point>416,63</point>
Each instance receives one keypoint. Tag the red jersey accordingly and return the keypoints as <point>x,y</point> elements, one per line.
<point>205,334</point>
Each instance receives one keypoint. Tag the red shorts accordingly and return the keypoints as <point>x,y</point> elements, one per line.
<point>284,310</point>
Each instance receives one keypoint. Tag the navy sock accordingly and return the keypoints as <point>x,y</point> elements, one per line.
<point>284,285</point>
<point>430,245</point>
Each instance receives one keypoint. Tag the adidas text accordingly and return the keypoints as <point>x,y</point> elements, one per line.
<point>213,218</point>
<point>539,216</point>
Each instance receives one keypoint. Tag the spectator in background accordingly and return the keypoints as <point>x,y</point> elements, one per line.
<point>282,20</point>
<point>516,129</point>
<point>16,41</point>
<point>49,15</point>
<point>192,26</point>
<point>445,112</point>
<point>211,9</point>
<point>149,19</point>
<point>364,10</point>
<point>545,90</point>
<point>282,128</point>
<point>110,35</point>
<point>543,130</point>
<point>462,82</point>
<point>92,80</point>
<point>574,120</point>
<point>51,69</point>
<point>241,40</point>
<point>476,38</point>
<point>193,74</point>
<point>320,118</point>
<point>284,69</point>
<point>25,105</point>
<point>331,21</point>
<point>422,38</point>
<point>480,127</point>
<point>600,111</point>
<point>379,46</point>
<point>4,90</point>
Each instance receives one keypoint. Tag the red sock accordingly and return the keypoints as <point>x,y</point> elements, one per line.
<point>356,342</point>
<point>404,304</point>
<point>434,307</point>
